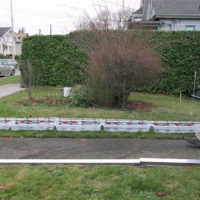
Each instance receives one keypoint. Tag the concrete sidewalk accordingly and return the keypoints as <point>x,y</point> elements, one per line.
<point>9,89</point>
<point>105,148</point>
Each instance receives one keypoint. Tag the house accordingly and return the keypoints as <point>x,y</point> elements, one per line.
<point>20,37</point>
<point>6,40</point>
<point>167,15</point>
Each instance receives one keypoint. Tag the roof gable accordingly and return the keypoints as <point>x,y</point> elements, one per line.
<point>4,30</point>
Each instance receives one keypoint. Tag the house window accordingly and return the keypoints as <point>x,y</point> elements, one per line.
<point>190,27</point>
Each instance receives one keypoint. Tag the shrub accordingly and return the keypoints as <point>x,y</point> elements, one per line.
<point>116,59</point>
<point>180,55</point>
<point>58,60</point>
<point>55,59</point>
<point>79,97</point>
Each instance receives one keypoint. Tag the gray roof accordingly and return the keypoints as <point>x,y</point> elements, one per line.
<point>176,7</point>
<point>139,11</point>
<point>4,30</point>
<point>170,8</point>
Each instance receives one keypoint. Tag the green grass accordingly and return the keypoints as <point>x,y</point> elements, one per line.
<point>87,134</point>
<point>9,80</point>
<point>165,108</point>
<point>87,182</point>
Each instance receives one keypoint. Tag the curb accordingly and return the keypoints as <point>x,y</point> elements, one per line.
<point>140,161</point>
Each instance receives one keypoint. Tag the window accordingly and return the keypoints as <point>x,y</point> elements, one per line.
<point>190,27</point>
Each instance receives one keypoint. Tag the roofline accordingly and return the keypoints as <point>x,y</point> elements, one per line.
<point>7,31</point>
<point>14,34</point>
<point>188,16</point>
<point>148,22</point>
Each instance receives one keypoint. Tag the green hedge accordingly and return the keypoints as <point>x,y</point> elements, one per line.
<point>180,55</point>
<point>55,60</point>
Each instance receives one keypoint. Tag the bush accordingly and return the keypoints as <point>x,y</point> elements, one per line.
<point>55,59</point>
<point>180,55</point>
<point>79,97</point>
<point>180,58</point>
<point>58,60</point>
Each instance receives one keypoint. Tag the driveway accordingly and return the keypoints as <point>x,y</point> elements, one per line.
<point>17,72</point>
<point>105,148</point>
<point>9,89</point>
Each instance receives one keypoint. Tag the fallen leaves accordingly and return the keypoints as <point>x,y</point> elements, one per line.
<point>83,140</point>
<point>6,187</point>
<point>136,105</point>
<point>162,194</point>
<point>2,187</point>
<point>48,101</point>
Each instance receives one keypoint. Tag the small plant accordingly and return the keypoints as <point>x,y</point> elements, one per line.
<point>79,96</point>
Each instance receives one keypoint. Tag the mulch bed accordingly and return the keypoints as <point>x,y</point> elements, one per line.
<point>138,105</point>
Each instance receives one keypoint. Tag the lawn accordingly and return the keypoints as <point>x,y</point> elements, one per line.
<point>86,134</point>
<point>164,107</point>
<point>9,80</point>
<point>48,100</point>
<point>87,182</point>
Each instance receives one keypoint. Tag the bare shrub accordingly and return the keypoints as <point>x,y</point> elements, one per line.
<point>121,64</point>
<point>118,62</point>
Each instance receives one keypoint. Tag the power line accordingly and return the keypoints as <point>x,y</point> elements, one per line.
<point>46,15</point>
<point>64,5</point>
<point>116,4</point>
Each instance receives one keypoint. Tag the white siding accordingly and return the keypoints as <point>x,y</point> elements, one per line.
<point>6,43</point>
<point>18,48</point>
<point>178,24</point>
<point>1,48</point>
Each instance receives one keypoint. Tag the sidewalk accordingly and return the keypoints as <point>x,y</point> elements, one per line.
<point>105,148</point>
<point>9,89</point>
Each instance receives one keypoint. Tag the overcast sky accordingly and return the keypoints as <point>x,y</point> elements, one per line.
<point>62,14</point>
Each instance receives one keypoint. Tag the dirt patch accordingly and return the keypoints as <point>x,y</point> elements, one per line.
<point>139,105</point>
<point>58,101</point>
<point>47,101</point>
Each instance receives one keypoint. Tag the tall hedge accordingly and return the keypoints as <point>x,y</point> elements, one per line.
<point>55,60</point>
<point>180,55</point>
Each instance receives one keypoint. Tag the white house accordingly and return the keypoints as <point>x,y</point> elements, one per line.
<point>167,15</point>
<point>6,41</point>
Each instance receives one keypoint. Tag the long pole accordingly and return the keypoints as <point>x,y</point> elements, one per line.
<point>195,77</point>
<point>12,26</point>
<point>123,17</point>
<point>50,29</point>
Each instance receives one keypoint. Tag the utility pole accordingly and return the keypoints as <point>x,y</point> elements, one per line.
<point>13,40</point>
<point>50,29</point>
<point>123,15</point>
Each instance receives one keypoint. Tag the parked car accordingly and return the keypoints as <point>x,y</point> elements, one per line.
<point>6,69</point>
<point>13,63</point>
